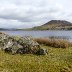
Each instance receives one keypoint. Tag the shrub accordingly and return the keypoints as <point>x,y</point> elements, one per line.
<point>58,43</point>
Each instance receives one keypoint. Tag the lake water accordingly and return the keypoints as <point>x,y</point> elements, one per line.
<point>47,33</point>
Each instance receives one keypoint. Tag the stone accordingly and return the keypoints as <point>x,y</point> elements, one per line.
<point>42,51</point>
<point>20,45</point>
<point>8,50</point>
<point>29,45</point>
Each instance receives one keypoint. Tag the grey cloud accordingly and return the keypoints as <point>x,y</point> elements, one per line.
<point>28,13</point>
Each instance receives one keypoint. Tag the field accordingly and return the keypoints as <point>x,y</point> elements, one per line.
<point>57,60</point>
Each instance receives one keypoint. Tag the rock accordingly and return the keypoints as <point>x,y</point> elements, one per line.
<point>29,45</point>
<point>9,44</point>
<point>42,52</point>
<point>20,45</point>
<point>20,51</point>
<point>8,50</point>
<point>13,47</point>
<point>23,45</point>
<point>3,39</point>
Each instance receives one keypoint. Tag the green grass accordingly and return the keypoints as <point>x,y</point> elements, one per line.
<point>50,27</point>
<point>57,60</point>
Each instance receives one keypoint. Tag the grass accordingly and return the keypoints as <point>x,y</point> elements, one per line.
<point>57,43</point>
<point>50,27</point>
<point>57,60</point>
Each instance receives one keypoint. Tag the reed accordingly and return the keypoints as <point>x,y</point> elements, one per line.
<point>57,43</point>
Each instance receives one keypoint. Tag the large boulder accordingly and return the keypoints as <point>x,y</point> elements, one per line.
<point>21,45</point>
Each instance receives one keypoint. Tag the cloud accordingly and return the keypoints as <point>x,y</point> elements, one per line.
<point>29,13</point>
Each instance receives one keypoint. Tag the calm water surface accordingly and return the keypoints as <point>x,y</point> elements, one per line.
<point>46,33</point>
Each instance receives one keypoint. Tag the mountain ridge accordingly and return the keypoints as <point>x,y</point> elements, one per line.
<point>59,22</point>
<point>51,25</point>
<point>55,25</point>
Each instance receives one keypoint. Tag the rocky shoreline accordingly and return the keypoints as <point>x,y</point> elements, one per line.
<point>20,45</point>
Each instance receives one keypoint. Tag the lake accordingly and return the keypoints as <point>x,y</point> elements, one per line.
<point>47,33</point>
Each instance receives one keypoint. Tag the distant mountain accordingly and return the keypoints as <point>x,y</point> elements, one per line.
<point>8,29</point>
<point>55,25</point>
<point>59,22</point>
<point>51,25</point>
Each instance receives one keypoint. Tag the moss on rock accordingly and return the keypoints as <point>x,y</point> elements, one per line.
<point>22,45</point>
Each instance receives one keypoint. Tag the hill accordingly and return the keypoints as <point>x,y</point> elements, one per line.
<point>59,22</point>
<point>55,25</point>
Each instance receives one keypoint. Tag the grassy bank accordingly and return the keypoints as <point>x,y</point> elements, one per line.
<point>57,60</point>
<point>49,27</point>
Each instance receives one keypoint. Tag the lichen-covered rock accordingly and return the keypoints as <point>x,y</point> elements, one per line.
<point>8,50</point>
<point>29,45</point>
<point>21,45</point>
<point>3,39</point>
<point>42,52</point>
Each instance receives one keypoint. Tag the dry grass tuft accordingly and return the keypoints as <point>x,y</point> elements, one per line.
<point>58,43</point>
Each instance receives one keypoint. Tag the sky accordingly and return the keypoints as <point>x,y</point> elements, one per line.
<point>30,13</point>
